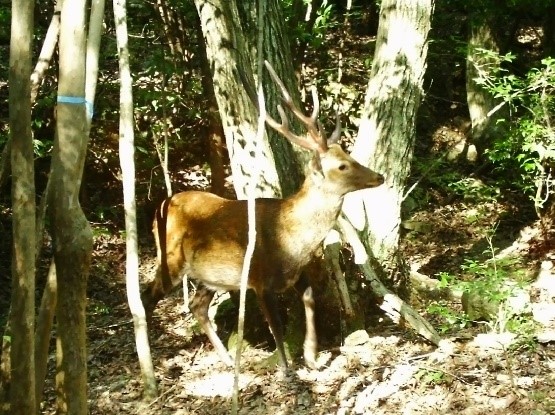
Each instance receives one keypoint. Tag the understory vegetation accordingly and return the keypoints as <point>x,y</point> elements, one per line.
<point>478,227</point>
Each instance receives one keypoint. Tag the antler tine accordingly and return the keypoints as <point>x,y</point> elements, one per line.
<point>318,143</point>
<point>283,128</point>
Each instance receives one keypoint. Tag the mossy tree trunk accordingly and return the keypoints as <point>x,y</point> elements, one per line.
<point>387,131</point>
<point>481,66</point>
<point>22,322</point>
<point>277,50</point>
<point>231,67</point>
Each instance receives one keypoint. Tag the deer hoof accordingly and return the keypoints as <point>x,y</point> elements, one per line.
<point>310,360</point>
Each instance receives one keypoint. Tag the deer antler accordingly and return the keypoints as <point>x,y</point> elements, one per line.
<point>318,141</point>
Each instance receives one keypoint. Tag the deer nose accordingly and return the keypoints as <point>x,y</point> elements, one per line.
<point>378,180</point>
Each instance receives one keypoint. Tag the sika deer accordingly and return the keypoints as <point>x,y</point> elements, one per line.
<point>205,236</point>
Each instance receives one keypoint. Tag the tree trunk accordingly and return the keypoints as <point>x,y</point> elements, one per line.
<point>386,135</point>
<point>483,66</point>
<point>72,236</point>
<point>43,62</point>
<point>277,50</point>
<point>5,163</point>
<point>215,134</point>
<point>173,30</point>
<point>232,75</point>
<point>45,314</point>
<point>127,161</point>
<point>43,333</point>
<point>22,320</point>
<point>46,52</point>
<point>549,32</point>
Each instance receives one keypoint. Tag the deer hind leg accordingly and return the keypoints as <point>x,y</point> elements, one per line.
<point>199,307</point>
<point>268,304</point>
<point>310,345</point>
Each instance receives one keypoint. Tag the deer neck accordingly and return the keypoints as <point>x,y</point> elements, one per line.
<point>309,214</point>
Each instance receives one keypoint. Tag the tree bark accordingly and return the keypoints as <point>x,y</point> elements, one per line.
<point>215,134</point>
<point>41,353</point>
<point>43,62</point>
<point>127,162</point>
<point>232,75</point>
<point>387,131</point>
<point>72,235</point>
<point>173,30</point>
<point>45,320</point>
<point>22,318</point>
<point>277,50</point>
<point>485,126</point>
<point>47,50</point>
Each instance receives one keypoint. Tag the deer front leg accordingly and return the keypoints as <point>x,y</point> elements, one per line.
<point>310,345</point>
<point>199,307</point>
<point>157,289</point>
<point>268,304</point>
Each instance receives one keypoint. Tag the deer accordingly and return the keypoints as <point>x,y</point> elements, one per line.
<point>204,236</point>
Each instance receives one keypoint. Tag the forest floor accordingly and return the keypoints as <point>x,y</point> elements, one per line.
<point>385,369</point>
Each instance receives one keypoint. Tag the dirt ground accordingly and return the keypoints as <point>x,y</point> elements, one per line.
<point>385,369</point>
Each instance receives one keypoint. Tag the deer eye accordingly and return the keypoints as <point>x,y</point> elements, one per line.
<point>343,167</point>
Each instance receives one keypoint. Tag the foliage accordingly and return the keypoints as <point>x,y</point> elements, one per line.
<point>545,399</point>
<point>432,376</point>
<point>42,124</point>
<point>446,177</point>
<point>5,21</point>
<point>493,287</point>
<point>301,30</point>
<point>476,190</point>
<point>324,21</point>
<point>99,309</point>
<point>530,144</point>
<point>452,320</point>
<point>162,107</point>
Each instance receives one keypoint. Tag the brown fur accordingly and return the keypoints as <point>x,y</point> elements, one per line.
<point>205,236</point>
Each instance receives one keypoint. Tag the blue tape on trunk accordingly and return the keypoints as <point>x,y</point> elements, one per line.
<point>77,100</point>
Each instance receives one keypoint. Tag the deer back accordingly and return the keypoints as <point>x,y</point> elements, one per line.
<point>205,236</point>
